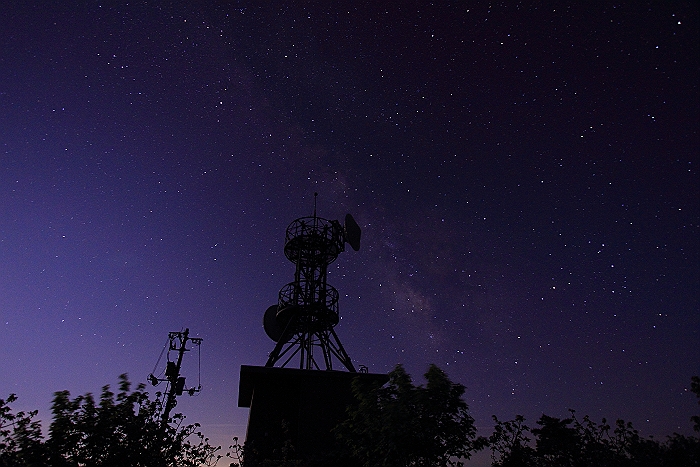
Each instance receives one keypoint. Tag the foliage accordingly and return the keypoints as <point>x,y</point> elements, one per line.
<point>572,443</point>
<point>282,457</point>
<point>395,425</point>
<point>20,436</point>
<point>121,431</point>
<point>509,443</point>
<point>401,424</point>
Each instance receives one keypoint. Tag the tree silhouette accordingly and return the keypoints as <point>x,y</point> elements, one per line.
<point>401,424</point>
<point>397,424</point>
<point>557,443</point>
<point>20,436</point>
<point>571,442</point>
<point>123,431</point>
<point>509,443</point>
<point>283,456</point>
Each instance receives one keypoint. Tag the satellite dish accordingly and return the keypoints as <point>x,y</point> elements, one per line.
<point>352,232</point>
<point>285,315</point>
<point>272,328</point>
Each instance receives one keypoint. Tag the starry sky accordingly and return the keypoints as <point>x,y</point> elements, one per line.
<point>525,175</point>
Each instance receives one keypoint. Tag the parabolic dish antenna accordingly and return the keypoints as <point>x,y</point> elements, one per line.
<point>272,328</point>
<point>352,232</point>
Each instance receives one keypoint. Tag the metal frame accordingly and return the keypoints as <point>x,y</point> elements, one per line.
<point>307,308</point>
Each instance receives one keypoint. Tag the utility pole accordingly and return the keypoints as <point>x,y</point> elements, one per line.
<point>178,343</point>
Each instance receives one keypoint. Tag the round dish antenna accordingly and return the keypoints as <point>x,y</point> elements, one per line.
<point>272,328</point>
<point>352,232</point>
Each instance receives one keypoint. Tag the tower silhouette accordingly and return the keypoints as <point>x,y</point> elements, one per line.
<point>303,320</point>
<point>290,400</point>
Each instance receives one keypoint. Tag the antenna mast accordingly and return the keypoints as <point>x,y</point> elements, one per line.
<point>302,322</point>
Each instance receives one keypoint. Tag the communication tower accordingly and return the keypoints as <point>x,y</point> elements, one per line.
<point>303,319</point>
<point>288,398</point>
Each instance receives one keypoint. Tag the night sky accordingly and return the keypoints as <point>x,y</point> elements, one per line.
<point>525,175</point>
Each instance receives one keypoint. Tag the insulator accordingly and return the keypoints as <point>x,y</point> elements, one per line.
<point>153,380</point>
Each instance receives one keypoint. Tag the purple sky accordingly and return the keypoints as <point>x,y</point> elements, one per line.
<point>525,175</point>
